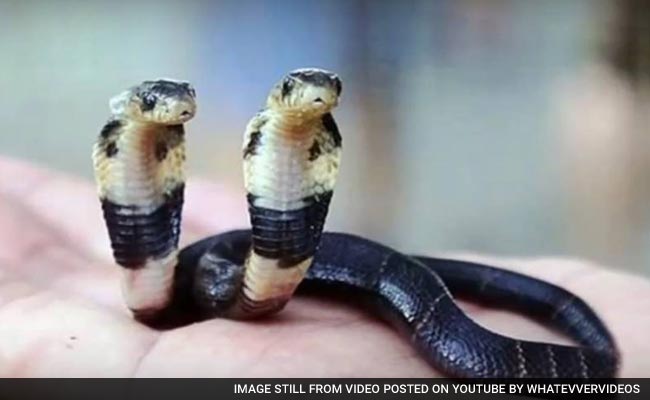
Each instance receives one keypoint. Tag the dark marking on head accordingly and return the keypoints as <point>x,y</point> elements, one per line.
<point>110,128</point>
<point>111,149</point>
<point>314,151</point>
<point>161,150</point>
<point>253,144</point>
<point>332,128</point>
<point>165,88</point>
<point>151,92</point>
<point>317,77</point>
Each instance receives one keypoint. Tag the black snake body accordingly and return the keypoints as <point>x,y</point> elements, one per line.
<point>409,292</point>
<point>291,157</point>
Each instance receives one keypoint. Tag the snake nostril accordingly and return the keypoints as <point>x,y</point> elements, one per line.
<point>318,100</point>
<point>185,113</point>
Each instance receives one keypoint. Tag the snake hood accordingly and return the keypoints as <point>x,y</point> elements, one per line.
<point>291,158</point>
<point>305,92</point>
<point>163,101</point>
<point>139,168</point>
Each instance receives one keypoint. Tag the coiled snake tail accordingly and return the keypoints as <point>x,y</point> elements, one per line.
<point>408,293</point>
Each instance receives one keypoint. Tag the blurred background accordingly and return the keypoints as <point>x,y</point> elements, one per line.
<point>505,127</point>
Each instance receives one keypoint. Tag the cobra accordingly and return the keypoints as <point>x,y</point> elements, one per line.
<point>291,154</point>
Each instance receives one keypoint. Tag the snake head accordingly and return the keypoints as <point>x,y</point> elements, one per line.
<point>163,101</point>
<point>306,91</point>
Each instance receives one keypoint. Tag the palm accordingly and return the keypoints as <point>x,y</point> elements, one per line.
<point>61,312</point>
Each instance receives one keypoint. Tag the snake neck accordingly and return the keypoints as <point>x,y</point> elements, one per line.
<point>139,172</point>
<point>146,161</point>
<point>290,168</point>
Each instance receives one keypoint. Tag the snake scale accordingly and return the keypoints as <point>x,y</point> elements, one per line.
<point>291,153</point>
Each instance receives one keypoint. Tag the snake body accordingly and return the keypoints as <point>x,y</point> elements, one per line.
<point>139,168</point>
<point>412,294</point>
<point>291,157</point>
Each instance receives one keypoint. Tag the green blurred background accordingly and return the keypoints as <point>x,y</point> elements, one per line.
<point>505,127</point>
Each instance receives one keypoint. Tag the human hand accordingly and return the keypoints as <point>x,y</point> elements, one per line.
<point>61,311</point>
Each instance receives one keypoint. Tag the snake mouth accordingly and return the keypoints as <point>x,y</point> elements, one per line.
<point>185,115</point>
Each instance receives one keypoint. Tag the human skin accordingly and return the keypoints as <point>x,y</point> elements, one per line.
<point>61,312</point>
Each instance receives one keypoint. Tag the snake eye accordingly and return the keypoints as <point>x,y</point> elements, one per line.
<point>287,86</point>
<point>148,102</point>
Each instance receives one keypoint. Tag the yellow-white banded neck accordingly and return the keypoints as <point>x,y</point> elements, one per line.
<point>139,162</point>
<point>139,171</point>
<point>290,168</point>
